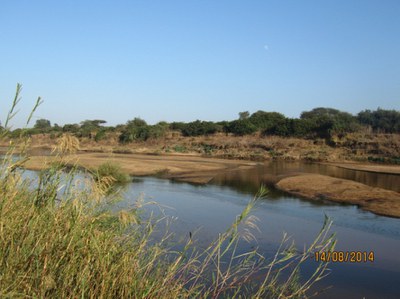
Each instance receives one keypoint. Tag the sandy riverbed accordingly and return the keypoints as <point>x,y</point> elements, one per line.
<point>187,168</point>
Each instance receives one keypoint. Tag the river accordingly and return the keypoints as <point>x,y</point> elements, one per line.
<point>206,210</point>
<point>210,209</point>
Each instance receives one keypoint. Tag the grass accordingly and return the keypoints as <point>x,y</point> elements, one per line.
<point>60,239</point>
<point>109,176</point>
<point>180,148</point>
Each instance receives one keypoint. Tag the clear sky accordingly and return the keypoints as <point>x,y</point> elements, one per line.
<point>188,60</point>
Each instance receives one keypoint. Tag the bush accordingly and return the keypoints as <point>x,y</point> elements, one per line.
<point>283,127</point>
<point>180,148</point>
<point>198,128</point>
<point>158,130</point>
<point>177,126</point>
<point>385,121</point>
<point>112,171</point>
<point>326,122</point>
<point>43,125</point>
<point>18,133</point>
<point>266,120</point>
<point>240,127</point>
<point>131,134</point>
<point>138,130</point>
<point>70,128</point>
<point>100,135</point>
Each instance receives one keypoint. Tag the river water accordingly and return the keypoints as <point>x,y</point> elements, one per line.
<point>207,210</point>
<point>210,209</point>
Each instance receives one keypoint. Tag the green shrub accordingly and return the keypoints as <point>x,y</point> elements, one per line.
<point>327,122</point>
<point>112,171</point>
<point>240,127</point>
<point>385,121</point>
<point>43,125</point>
<point>100,135</point>
<point>198,128</point>
<point>265,120</point>
<point>178,126</point>
<point>158,130</point>
<point>131,134</point>
<point>180,148</point>
<point>71,128</point>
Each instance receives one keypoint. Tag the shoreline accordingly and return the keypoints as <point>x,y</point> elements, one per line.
<point>200,170</point>
<point>185,168</point>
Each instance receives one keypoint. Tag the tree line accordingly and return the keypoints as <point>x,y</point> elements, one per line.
<point>317,123</point>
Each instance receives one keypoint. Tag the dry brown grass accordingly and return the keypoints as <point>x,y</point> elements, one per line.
<point>352,147</point>
<point>66,145</point>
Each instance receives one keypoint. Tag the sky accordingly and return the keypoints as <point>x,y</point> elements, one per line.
<point>188,60</point>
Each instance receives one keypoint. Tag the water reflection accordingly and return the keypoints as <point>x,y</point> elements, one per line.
<point>248,181</point>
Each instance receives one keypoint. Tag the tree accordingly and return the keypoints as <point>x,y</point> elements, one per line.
<point>89,128</point>
<point>282,127</point>
<point>240,127</point>
<point>131,134</point>
<point>328,121</point>
<point>56,128</point>
<point>385,121</point>
<point>71,128</point>
<point>136,129</point>
<point>198,128</point>
<point>136,122</point>
<point>244,115</point>
<point>265,120</point>
<point>178,126</point>
<point>42,125</point>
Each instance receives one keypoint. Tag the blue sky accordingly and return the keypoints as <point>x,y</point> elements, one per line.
<point>188,60</point>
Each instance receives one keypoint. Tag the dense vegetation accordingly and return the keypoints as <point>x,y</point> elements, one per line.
<point>318,123</point>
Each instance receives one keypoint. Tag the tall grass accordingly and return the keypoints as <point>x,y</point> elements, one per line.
<point>58,240</point>
<point>109,176</point>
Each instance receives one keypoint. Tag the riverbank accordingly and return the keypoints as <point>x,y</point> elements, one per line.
<point>187,168</point>
<point>355,147</point>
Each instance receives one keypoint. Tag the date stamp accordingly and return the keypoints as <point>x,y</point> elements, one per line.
<point>345,256</point>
